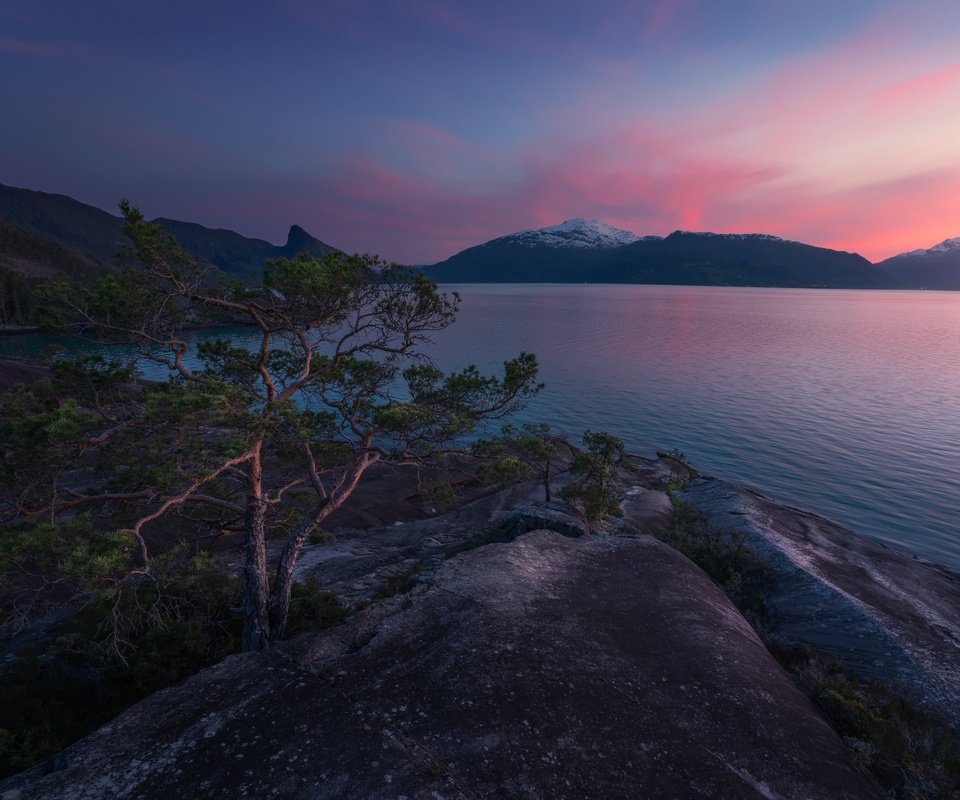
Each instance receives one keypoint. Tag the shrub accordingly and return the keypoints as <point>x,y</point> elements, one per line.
<point>596,488</point>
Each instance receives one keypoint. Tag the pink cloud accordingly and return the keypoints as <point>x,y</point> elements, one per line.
<point>646,182</point>
<point>921,89</point>
<point>797,153</point>
<point>787,153</point>
<point>29,48</point>
<point>896,216</point>
<point>642,182</point>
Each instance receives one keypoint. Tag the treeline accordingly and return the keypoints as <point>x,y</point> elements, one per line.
<point>17,297</point>
<point>26,261</point>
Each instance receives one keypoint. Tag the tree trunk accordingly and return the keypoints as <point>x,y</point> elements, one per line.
<point>283,580</point>
<point>546,481</point>
<point>256,621</point>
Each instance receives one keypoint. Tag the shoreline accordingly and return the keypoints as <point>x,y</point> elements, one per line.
<point>17,330</point>
<point>670,587</point>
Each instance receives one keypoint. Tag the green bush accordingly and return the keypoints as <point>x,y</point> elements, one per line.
<point>441,495</point>
<point>121,648</point>
<point>596,488</point>
<point>313,608</point>
<point>909,750</point>
<point>117,649</point>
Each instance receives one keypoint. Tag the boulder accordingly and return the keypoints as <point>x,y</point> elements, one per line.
<point>646,511</point>
<point>554,516</point>
<point>360,564</point>
<point>601,667</point>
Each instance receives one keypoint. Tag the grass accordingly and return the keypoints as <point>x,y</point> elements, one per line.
<point>734,567</point>
<point>400,581</point>
<point>909,750</point>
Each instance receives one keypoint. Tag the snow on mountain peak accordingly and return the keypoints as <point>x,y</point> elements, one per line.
<point>946,246</point>
<point>577,232</point>
<point>745,237</point>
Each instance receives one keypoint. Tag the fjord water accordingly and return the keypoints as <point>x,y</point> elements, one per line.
<point>846,403</point>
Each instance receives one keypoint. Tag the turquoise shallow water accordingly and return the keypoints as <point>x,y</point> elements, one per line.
<point>843,402</point>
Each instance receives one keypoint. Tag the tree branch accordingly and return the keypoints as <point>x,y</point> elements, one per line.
<point>180,499</point>
<point>283,489</point>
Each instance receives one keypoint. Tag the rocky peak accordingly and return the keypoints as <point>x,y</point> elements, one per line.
<point>299,241</point>
<point>298,238</point>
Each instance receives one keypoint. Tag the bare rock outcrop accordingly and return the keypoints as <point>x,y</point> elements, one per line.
<point>546,667</point>
<point>885,615</point>
<point>646,511</point>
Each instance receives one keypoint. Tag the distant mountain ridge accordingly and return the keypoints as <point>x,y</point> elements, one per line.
<point>575,251</point>
<point>937,267</point>
<point>946,246</point>
<point>581,250</point>
<point>91,230</point>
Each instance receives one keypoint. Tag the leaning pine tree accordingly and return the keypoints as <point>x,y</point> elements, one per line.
<point>270,440</point>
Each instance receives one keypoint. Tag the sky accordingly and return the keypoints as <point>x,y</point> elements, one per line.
<point>415,129</point>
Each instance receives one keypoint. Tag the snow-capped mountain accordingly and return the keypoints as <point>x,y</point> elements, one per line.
<point>946,246</point>
<point>734,237</point>
<point>590,251</point>
<point>579,232</point>
<point>936,267</point>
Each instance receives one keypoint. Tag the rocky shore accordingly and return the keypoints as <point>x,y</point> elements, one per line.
<point>505,650</point>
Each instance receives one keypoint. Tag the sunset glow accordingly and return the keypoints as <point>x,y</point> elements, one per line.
<point>418,129</point>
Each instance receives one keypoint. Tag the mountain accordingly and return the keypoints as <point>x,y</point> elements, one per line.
<point>26,261</point>
<point>237,255</point>
<point>580,251</point>
<point>937,267</point>
<point>579,232</point>
<point>63,220</point>
<point>34,256</point>
<point>90,230</point>
<point>753,259</point>
<point>565,253</point>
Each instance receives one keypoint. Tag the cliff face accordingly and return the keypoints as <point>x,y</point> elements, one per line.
<point>546,667</point>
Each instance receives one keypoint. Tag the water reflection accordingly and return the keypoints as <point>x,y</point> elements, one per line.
<point>843,402</point>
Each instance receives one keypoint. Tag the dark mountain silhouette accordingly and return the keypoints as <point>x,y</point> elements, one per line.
<point>27,260</point>
<point>576,251</point>
<point>238,255</point>
<point>680,258</point>
<point>81,227</point>
<point>937,267</point>
<point>63,220</point>
<point>34,256</point>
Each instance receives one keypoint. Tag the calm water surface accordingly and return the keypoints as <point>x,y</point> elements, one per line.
<point>843,402</point>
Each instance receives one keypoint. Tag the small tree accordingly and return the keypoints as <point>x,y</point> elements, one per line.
<point>597,483</point>
<point>518,453</point>
<point>271,440</point>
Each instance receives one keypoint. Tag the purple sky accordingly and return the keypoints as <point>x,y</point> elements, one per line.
<point>416,129</point>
